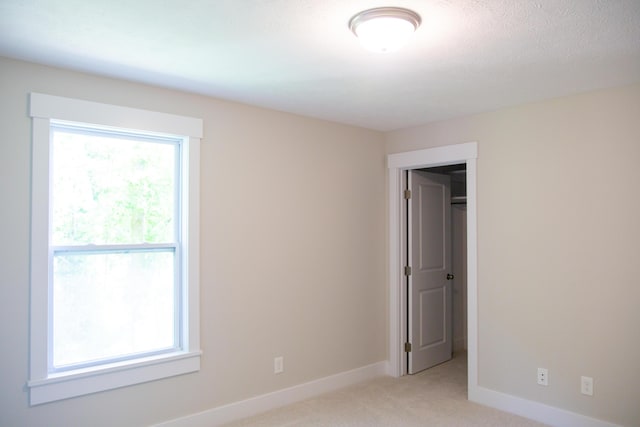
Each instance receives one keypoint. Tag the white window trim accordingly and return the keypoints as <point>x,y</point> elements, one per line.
<point>44,386</point>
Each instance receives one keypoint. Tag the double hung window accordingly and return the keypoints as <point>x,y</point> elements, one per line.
<point>114,262</point>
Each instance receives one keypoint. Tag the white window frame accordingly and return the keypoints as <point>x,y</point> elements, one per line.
<point>45,386</point>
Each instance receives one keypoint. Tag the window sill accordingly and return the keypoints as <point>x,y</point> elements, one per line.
<point>91,380</point>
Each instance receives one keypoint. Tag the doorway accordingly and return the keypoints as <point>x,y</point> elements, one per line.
<point>398,163</point>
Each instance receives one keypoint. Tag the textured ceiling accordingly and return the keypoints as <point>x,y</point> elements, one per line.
<point>298,56</point>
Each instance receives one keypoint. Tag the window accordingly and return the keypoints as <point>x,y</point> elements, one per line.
<point>114,251</point>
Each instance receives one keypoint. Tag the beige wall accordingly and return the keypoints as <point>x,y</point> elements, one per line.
<point>558,247</point>
<point>293,249</point>
<point>292,252</point>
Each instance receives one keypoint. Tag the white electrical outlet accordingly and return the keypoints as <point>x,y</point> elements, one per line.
<point>543,376</point>
<point>586,386</point>
<point>278,365</point>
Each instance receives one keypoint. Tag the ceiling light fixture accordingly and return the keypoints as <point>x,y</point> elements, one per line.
<point>384,29</point>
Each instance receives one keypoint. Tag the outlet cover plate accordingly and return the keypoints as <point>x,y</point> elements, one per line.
<point>586,386</point>
<point>543,376</point>
<point>278,365</point>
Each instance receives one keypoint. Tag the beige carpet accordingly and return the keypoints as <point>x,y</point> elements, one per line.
<point>435,397</point>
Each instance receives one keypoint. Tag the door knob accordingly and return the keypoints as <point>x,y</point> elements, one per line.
<point>449,276</point>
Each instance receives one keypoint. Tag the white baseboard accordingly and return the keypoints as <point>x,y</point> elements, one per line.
<point>255,405</point>
<point>545,414</point>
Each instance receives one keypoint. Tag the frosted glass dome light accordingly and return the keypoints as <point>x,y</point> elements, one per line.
<point>384,29</point>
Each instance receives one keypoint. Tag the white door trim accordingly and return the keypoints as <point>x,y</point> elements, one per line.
<point>397,164</point>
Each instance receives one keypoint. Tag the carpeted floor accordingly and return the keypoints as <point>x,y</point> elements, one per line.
<point>435,397</point>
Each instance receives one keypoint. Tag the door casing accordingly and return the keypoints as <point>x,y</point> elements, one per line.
<point>398,163</point>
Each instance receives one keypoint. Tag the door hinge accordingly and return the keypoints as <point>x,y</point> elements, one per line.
<point>407,270</point>
<point>407,347</point>
<point>407,194</point>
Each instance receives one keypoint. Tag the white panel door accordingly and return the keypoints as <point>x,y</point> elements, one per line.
<point>430,290</point>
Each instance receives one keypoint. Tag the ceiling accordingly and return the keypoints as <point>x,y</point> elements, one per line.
<point>299,56</point>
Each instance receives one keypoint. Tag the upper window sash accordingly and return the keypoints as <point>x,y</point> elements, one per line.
<point>103,147</point>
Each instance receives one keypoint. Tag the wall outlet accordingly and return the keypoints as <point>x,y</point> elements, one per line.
<point>543,376</point>
<point>586,386</point>
<point>278,365</point>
